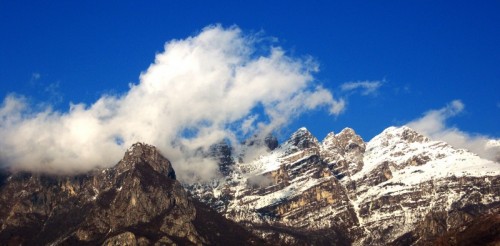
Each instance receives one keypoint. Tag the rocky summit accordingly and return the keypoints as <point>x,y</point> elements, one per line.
<point>137,202</point>
<point>400,188</point>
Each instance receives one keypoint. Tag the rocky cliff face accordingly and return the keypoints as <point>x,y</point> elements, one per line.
<point>400,187</point>
<point>138,201</point>
<point>413,189</point>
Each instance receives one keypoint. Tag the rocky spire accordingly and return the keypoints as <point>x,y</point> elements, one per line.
<point>300,140</point>
<point>343,152</point>
<point>141,153</point>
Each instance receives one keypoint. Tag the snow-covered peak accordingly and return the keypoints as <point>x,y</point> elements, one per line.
<point>406,149</point>
<point>394,134</point>
<point>329,137</point>
<point>343,152</point>
<point>400,175</point>
<point>300,140</point>
<point>302,129</point>
<point>300,133</point>
<point>347,131</point>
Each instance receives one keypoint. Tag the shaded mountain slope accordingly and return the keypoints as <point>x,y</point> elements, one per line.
<point>138,201</point>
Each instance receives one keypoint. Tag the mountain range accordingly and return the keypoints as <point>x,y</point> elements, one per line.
<point>400,188</point>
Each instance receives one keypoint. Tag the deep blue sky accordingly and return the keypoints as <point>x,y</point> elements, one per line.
<point>428,53</point>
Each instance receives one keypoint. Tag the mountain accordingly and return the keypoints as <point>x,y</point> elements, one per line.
<point>399,188</point>
<point>137,202</point>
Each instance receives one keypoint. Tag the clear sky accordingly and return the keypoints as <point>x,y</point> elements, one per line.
<point>418,55</point>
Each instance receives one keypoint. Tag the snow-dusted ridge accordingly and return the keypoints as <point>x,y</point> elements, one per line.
<point>403,146</point>
<point>400,176</point>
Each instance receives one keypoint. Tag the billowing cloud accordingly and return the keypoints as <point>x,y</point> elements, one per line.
<point>365,87</point>
<point>219,84</point>
<point>433,125</point>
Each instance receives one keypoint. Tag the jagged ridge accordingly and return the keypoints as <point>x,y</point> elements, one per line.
<point>400,177</point>
<point>400,188</point>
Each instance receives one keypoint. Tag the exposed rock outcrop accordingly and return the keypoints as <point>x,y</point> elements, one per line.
<point>137,202</point>
<point>400,187</point>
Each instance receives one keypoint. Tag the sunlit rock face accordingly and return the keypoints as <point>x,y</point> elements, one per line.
<point>343,152</point>
<point>399,187</point>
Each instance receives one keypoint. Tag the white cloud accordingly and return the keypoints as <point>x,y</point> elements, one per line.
<point>433,125</point>
<point>213,85</point>
<point>366,87</point>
